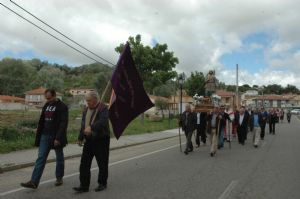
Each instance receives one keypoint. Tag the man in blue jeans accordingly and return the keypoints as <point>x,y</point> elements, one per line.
<point>51,134</point>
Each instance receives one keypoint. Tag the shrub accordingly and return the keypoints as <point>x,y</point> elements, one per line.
<point>27,123</point>
<point>9,133</point>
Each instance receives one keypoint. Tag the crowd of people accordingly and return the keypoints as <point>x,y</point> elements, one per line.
<point>224,123</point>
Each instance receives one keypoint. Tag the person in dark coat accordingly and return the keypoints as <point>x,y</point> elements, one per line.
<point>95,134</point>
<point>201,127</point>
<point>188,123</point>
<point>264,114</point>
<point>51,134</point>
<point>288,116</point>
<point>272,121</point>
<point>242,120</point>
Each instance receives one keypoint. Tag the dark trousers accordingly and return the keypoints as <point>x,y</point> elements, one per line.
<point>189,143</point>
<point>200,133</point>
<point>262,127</point>
<point>242,133</point>
<point>100,149</point>
<point>272,127</point>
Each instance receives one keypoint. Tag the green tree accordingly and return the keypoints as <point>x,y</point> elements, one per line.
<point>155,64</point>
<point>165,90</point>
<point>195,84</point>
<point>15,77</point>
<point>162,105</point>
<point>50,77</point>
<point>291,89</point>
<point>273,89</point>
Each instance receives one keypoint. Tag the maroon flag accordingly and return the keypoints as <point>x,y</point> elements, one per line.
<point>129,98</point>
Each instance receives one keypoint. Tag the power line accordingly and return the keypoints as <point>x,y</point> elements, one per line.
<point>61,33</point>
<point>49,33</point>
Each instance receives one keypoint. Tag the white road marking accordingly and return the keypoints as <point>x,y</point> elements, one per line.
<point>228,190</point>
<point>95,168</point>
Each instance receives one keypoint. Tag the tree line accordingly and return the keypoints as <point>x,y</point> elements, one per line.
<point>156,65</point>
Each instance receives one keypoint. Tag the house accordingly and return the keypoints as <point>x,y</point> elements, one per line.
<point>275,101</point>
<point>36,97</point>
<point>11,103</point>
<point>80,91</point>
<point>227,98</point>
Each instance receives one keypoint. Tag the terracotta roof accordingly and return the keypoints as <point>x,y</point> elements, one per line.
<point>7,98</point>
<point>39,91</point>
<point>223,93</point>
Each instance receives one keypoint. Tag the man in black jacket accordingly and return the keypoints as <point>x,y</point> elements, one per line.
<point>201,126</point>
<point>51,134</point>
<point>188,124</point>
<point>95,134</point>
<point>242,125</point>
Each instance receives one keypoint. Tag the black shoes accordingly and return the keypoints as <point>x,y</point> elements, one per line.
<point>100,188</point>
<point>255,146</point>
<point>29,184</point>
<point>80,189</point>
<point>186,152</point>
<point>58,182</point>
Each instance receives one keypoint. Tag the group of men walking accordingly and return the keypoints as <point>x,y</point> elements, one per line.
<point>94,136</point>
<point>223,123</point>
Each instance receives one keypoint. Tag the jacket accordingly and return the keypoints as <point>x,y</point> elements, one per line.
<point>99,123</point>
<point>59,124</point>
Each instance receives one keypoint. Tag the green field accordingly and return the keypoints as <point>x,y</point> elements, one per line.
<point>17,128</point>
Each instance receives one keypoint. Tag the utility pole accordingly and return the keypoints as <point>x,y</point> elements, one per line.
<point>237,86</point>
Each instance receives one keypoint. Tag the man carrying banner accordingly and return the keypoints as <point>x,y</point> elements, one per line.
<point>95,135</point>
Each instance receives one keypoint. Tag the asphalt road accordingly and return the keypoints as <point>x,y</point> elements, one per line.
<point>159,170</point>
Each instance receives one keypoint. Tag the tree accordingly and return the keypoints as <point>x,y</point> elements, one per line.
<point>161,104</point>
<point>165,90</point>
<point>195,84</point>
<point>101,82</point>
<point>273,89</point>
<point>50,77</point>
<point>291,89</point>
<point>15,77</point>
<point>154,64</point>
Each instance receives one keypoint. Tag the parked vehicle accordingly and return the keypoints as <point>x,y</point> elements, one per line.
<point>295,111</point>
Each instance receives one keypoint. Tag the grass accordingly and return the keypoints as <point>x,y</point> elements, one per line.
<point>24,139</point>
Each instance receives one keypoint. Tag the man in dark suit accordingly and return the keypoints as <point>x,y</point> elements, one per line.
<point>95,134</point>
<point>264,114</point>
<point>201,126</point>
<point>188,123</point>
<point>242,125</point>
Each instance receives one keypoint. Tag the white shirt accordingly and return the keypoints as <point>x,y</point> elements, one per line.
<point>198,118</point>
<point>241,118</point>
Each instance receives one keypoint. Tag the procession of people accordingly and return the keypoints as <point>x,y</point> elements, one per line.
<point>223,123</point>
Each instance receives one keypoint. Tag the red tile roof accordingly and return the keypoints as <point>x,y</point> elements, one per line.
<point>38,91</point>
<point>7,98</point>
<point>223,93</point>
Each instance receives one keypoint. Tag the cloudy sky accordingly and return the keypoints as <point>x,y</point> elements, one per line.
<point>263,37</point>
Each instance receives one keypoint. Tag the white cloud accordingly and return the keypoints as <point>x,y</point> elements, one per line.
<point>199,32</point>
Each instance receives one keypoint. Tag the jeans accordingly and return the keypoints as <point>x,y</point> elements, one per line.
<point>221,138</point>
<point>44,149</point>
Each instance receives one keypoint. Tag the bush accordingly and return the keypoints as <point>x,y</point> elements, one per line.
<point>27,123</point>
<point>9,133</point>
